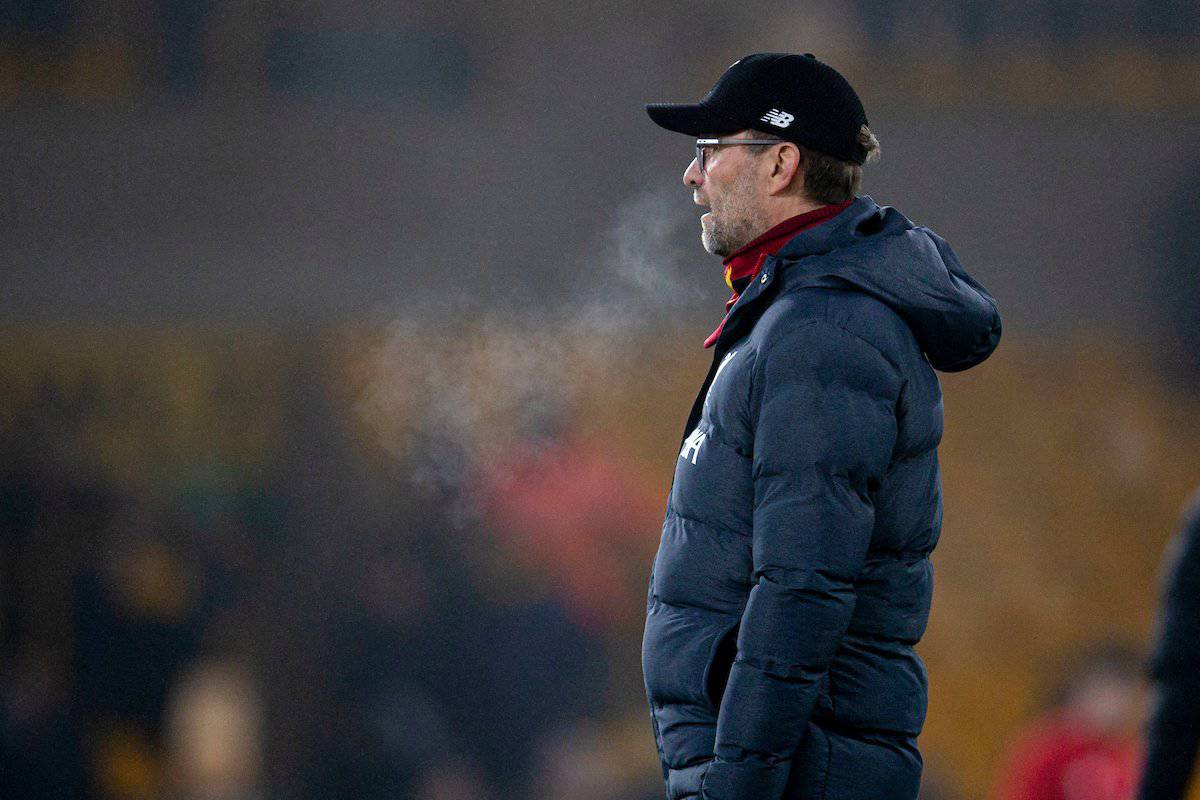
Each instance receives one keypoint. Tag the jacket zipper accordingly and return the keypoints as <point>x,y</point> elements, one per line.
<point>721,347</point>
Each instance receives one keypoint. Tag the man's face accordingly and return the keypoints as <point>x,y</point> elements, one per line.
<point>730,188</point>
<point>1107,701</point>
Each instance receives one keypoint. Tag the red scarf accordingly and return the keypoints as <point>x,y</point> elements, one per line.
<point>744,263</point>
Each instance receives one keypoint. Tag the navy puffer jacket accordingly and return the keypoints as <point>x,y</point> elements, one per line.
<point>793,575</point>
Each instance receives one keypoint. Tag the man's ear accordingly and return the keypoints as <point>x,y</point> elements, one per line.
<point>787,169</point>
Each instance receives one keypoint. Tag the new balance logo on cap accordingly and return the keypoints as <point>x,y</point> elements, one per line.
<point>780,119</point>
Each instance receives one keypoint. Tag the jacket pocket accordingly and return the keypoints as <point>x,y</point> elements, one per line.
<point>720,662</point>
<point>678,652</point>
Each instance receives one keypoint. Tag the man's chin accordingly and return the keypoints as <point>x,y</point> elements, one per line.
<point>708,239</point>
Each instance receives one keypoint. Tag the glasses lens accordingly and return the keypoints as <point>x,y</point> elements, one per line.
<point>700,157</point>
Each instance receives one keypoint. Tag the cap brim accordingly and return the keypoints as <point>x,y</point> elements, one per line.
<point>693,119</point>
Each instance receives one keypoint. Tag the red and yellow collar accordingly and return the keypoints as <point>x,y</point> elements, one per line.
<point>744,263</point>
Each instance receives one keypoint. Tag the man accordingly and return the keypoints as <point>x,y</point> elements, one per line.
<point>793,577</point>
<point>1173,735</point>
<point>1080,747</point>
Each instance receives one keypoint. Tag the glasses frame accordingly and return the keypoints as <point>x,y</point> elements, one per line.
<point>701,144</point>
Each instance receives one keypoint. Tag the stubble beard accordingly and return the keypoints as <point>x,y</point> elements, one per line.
<point>733,222</point>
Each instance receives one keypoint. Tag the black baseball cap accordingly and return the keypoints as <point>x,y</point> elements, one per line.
<point>794,97</point>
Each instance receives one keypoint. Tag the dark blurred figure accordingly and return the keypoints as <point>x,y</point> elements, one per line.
<point>1174,729</point>
<point>136,626</point>
<point>140,610</point>
<point>41,754</point>
<point>391,653</point>
<point>1080,749</point>
<point>47,487</point>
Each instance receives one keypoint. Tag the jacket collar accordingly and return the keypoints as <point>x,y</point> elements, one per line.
<point>743,265</point>
<point>781,267</point>
<point>837,232</point>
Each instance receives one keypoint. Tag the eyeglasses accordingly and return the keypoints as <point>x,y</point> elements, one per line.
<point>703,145</point>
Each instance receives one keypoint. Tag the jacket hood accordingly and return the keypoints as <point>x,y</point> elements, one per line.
<point>877,250</point>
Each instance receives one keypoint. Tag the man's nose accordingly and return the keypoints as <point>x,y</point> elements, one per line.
<point>692,177</point>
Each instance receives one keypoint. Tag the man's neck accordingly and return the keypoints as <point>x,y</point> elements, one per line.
<point>782,210</point>
<point>784,218</point>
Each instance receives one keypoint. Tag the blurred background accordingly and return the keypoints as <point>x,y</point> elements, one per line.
<point>347,346</point>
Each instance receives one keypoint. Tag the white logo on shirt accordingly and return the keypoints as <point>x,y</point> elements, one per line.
<point>691,447</point>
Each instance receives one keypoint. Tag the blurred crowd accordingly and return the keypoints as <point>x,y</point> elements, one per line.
<point>313,632</point>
